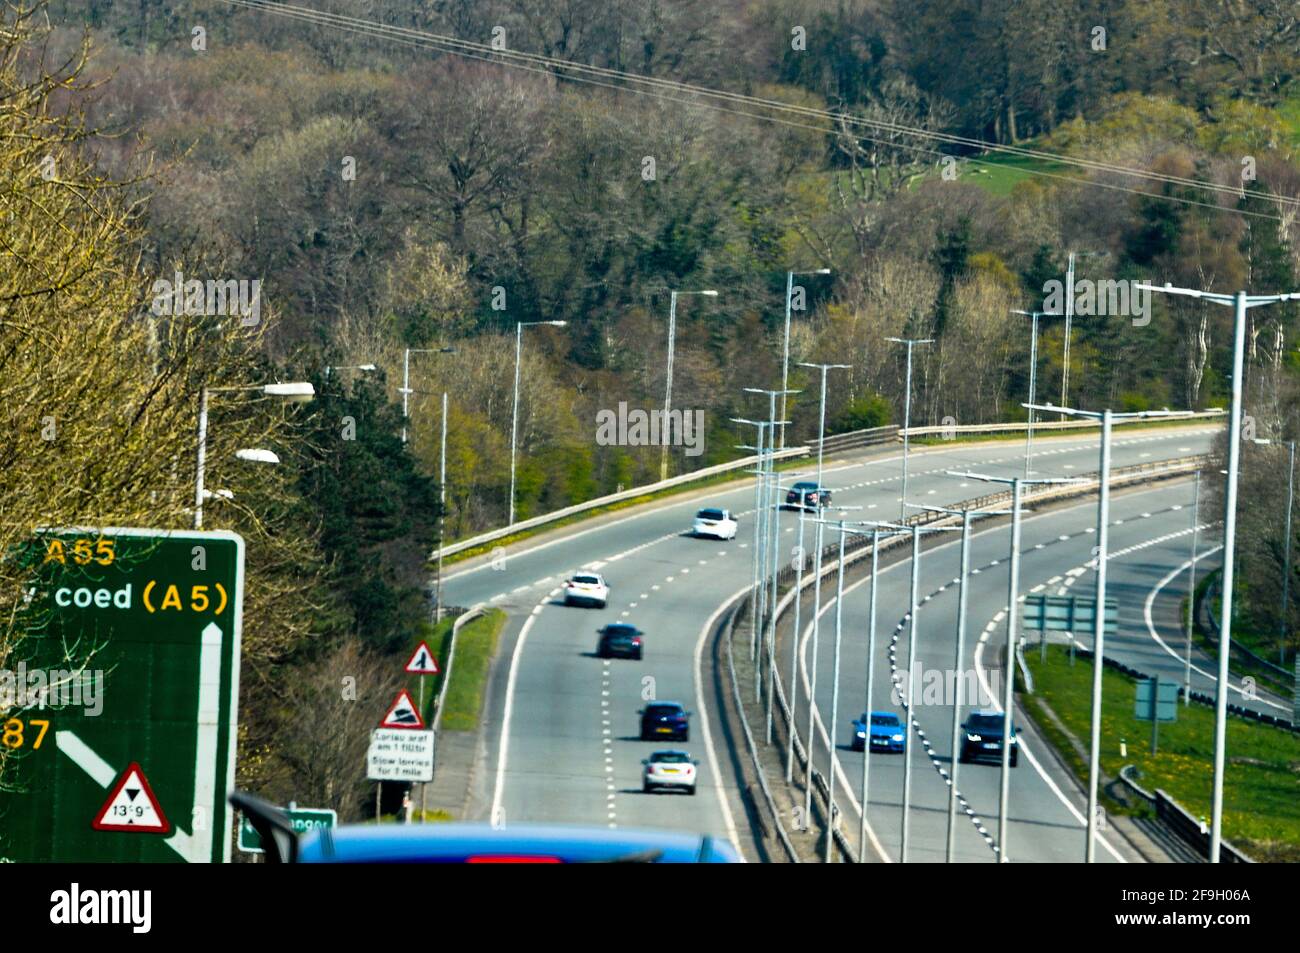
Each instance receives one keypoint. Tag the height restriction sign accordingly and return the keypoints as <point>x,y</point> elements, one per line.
<point>119,699</point>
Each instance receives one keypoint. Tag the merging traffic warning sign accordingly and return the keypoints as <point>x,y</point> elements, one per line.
<point>132,806</point>
<point>402,713</point>
<point>422,661</point>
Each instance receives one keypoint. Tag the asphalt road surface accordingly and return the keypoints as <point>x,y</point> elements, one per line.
<point>561,741</point>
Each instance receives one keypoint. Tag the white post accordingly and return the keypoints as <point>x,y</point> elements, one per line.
<point>406,389</point>
<point>1191,593</point>
<point>909,708</point>
<point>1098,635</point>
<point>1069,315</point>
<point>1008,698</point>
<point>202,457</point>
<point>1033,379</point>
<point>442,506</point>
<point>794,651</point>
<point>835,701</point>
<point>785,354</point>
<point>668,393</point>
<point>514,420</point>
<point>871,655</point>
<point>1229,543</point>
<point>907,424</point>
<point>958,666</point>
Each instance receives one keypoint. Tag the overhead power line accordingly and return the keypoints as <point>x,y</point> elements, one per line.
<point>660,88</point>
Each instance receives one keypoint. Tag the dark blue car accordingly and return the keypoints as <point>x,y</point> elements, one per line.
<point>665,720</point>
<point>884,728</point>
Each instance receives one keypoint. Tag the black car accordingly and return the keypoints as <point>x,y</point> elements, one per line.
<point>620,640</point>
<point>982,737</point>
<point>665,720</point>
<point>806,494</point>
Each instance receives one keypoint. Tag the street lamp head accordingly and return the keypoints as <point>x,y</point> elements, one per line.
<point>257,456</point>
<point>297,392</point>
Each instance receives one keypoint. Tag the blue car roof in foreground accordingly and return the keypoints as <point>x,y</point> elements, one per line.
<point>465,842</point>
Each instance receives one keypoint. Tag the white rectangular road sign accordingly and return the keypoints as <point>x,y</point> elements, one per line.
<point>400,754</point>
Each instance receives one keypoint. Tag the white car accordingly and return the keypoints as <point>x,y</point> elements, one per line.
<point>586,588</point>
<point>715,522</point>
<point>669,769</point>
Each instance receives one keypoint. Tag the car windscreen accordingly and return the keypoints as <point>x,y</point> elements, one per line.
<point>991,723</point>
<point>709,515</point>
<point>587,580</point>
<point>806,487</point>
<point>888,720</point>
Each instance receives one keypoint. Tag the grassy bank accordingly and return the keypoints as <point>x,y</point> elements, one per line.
<point>1262,644</point>
<point>475,645</point>
<point>1262,784</point>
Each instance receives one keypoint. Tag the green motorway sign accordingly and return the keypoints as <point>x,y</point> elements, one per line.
<point>303,819</point>
<point>118,706</point>
<point>1067,614</point>
<point>1156,700</point>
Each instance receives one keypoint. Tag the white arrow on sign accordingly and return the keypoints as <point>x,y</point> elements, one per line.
<point>191,847</point>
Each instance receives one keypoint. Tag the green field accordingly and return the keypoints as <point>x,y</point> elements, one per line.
<point>1262,785</point>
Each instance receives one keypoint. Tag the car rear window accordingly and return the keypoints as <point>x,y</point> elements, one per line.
<point>589,580</point>
<point>670,757</point>
<point>664,710</point>
<point>618,630</point>
<point>709,514</point>
<point>805,486</point>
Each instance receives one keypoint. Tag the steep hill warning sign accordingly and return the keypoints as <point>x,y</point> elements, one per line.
<point>132,806</point>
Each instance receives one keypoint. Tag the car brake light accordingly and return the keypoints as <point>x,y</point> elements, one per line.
<point>511,859</point>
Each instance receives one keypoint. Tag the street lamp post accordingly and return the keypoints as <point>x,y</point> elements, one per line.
<point>1240,303</point>
<point>1033,379</point>
<point>758,563</point>
<point>296,392</point>
<point>1107,418</point>
<point>1191,593</point>
<point>668,393</point>
<point>406,378</point>
<point>794,652</point>
<point>514,414</point>
<point>1013,608</point>
<point>442,511</point>
<point>817,579</point>
<point>967,517</point>
<point>785,352</point>
<point>775,506</point>
<point>907,414</point>
<point>772,517</point>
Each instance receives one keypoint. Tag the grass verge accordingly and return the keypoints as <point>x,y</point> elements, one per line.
<point>1243,637</point>
<point>475,645</point>
<point>1262,782</point>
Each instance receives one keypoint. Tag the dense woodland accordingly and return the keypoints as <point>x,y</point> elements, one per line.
<point>389,195</point>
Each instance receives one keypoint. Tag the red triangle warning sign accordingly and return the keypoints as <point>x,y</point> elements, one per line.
<point>402,713</point>
<point>422,661</point>
<point>132,806</point>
